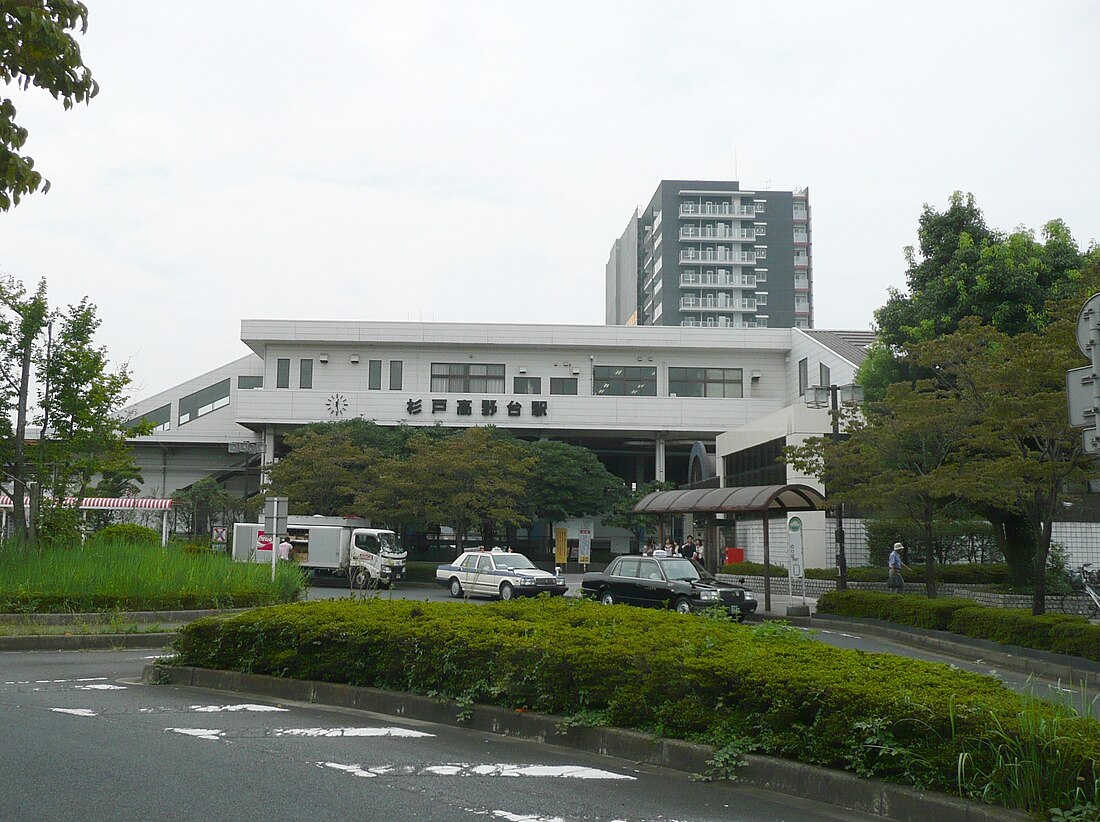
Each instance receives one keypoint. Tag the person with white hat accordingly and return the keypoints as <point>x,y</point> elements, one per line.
<point>896,582</point>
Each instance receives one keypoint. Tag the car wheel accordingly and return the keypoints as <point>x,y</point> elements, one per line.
<point>607,598</point>
<point>682,605</point>
<point>361,578</point>
<point>456,587</point>
<point>506,591</point>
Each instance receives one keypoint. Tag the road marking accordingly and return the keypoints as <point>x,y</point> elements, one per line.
<point>102,686</point>
<point>212,709</point>
<point>465,769</point>
<point>327,732</point>
<point>526,817</point>
<point>211,734</point>
<point>55,681</point>
<point>75,711</point>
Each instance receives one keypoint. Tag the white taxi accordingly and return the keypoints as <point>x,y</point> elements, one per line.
<point>497,573</point>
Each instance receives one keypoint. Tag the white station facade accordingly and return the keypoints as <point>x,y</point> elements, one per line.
<point>653,402</point>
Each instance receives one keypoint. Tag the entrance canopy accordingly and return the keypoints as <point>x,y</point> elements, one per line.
<point>750,499</point>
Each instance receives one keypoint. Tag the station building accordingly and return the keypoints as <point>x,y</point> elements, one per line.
<point>680,404</point>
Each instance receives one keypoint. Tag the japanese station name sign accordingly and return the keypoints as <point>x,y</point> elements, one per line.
<point>466,408</point>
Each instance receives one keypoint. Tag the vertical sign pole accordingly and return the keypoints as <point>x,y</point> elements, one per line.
<point>1094,357</point>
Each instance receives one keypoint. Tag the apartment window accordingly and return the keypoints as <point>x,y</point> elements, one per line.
<point>246,382</point>
<point>305,374</point>
<point>761,298</point>
<point>161,419</point>
<point>762,275</point>
<point>527,385</point>
<point>624,380</point>
<point>761,253</point>
<point>761,230</point>
<point>397,368</point>
<point>825,374</point>
<point>470,378</point>
<point>563,385</point>
<point>761,322</point>
<point>374,375</point>
<point>704,382</point>
<point>204,401</point>
<point>803,376</point>
<point>282,373</point>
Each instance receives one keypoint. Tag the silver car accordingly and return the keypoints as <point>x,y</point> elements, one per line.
<point>497,573</point>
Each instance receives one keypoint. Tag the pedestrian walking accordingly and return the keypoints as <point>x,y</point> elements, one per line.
<point>284,549</point>
<point>896,582</point>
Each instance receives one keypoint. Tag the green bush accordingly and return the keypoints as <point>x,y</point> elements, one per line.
<point>918,611</point>
<point>874,714</point>
<point>128,532</point>
<point>753,569</point>
<point>194,548</point>
<point>1058,633</point>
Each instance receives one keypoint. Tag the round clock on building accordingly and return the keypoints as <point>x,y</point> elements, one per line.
<point>337,404</point>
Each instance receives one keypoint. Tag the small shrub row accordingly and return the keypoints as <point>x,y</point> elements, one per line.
<point>771,691</point>
<point>1058,633</point>
<point>976,574</point>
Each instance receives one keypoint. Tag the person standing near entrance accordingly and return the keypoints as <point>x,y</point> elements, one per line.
<point>896,582</point>
<point>284,549</point>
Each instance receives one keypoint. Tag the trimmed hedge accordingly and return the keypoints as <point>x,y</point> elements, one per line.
<point>1058,633</point>
<point>679,676</point>
<point>976,574</point>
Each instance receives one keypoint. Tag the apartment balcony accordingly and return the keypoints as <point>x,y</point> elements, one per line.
<point>802,283</point>
<point>801,262</point>
<point>718,322</point>
<point>695,210</point>
<point>801,215</point>
<point>705,304</point>
<point>725,234</point>
<point>801,239</point>
<point>694,256</point>
<point>726,281</point>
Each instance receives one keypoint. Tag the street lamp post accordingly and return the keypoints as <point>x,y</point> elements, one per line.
<point>832,396</point>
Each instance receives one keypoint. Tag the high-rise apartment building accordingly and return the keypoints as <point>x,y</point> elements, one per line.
<point>709,253</point>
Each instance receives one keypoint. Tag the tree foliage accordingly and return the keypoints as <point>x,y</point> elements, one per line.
<point>37,49</point>
<point>53,376</point>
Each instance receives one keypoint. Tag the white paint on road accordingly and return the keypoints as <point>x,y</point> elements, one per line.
<point>213,709</point>
<point>331,732</point>
<point>466,769</point>
<point>102,686</point>
<point>54,681</point>
<point>75,711</point>
<point>211,734</point>
<point>526,817</point>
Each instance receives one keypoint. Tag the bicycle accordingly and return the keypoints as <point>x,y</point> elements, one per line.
<point>1084,598</point>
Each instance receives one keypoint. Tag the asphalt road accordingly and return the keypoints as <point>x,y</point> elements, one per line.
<point>82,738</point>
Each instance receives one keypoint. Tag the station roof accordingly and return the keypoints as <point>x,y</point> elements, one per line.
<point>744,500</point>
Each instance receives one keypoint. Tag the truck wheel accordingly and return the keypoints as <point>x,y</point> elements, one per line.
<point>456,587</point>
<point>361,578</point>
<point>682,605</point>
<point>607,598</point>
<point>506,591</point>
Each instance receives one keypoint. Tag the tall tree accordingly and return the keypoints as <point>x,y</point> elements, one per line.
<point>37,48</point>
<point>326,470</point>
<point>75,405</point>
<point>569,481</point>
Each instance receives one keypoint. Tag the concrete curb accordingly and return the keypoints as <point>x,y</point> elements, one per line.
<point>835,788</point>
<point>84,642</point>
<point>1040,664</point>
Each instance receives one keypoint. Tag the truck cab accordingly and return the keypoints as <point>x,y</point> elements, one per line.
<point>376,553</point>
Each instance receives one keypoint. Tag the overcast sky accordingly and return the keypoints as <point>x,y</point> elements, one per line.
<point>475,161</point>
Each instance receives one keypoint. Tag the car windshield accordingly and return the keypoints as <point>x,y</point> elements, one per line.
<point>512,561</point>
<point>390,542</point>
<point>683,569</point>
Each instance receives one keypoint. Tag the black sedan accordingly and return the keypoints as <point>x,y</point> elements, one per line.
<point>665,582</point>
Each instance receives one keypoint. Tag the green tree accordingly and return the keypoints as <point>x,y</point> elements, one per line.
<point>206,503</point>
<point>965,269</point>
<point>53,376</point>
<point>1019,453</point>
<point>569,481</point>
<point>37,48</point>
<point>326,470</point>
<point>897,459</point>
<point>476,478</point>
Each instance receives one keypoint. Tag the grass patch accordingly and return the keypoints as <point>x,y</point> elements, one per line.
<point>110,575</point>
<point>913,722</point>
<point>84,629</point>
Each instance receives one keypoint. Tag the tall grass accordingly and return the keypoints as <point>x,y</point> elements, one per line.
<point>121,575</point>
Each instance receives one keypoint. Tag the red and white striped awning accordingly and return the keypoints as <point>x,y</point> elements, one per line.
<point>104,503</point>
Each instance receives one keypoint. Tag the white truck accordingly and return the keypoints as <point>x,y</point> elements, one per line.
<point>337,546</point>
